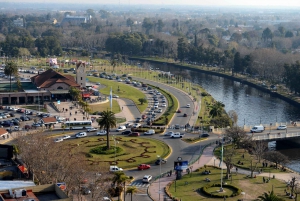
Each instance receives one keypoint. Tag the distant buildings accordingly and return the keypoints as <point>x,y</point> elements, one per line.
<point>75,20</point>
<point>19,22</point>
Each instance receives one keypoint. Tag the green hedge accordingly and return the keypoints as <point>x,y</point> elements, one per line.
<point>234,188</point>
<point>104,150</point>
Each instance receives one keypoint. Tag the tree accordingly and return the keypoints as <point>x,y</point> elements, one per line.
<point>11,69</point>
<point>142,100</point>
<point>259,148</point>
<point>269,197</point>
<point>75,93</point>
<point>267,34</point>
<point>238,136</point>
<point>289,34</point>
<point>281,30</point>
<point>228,159</point>
<point>216,109</point>
<point>131,190</point>
<point>107,121</point>
<point>237,63</point>
<point>181,49</point>
<point>160,25</point>
<point>147,24</point>
<point>119,179</point>
<point>276,157</point>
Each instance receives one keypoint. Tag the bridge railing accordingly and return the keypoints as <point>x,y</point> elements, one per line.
<point>274,136</point>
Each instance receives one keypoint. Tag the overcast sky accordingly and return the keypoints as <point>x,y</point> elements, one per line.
<point>271,3</point>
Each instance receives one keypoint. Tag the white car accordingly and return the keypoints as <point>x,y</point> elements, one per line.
<point>188,105</point>
<point>81,134</point>
<point>147,178</point>
<point>136,125</point>
<point>282,127</point>
<point>92,129</point>
<point>58,140</point>
<point>115,96</point>
<point>169,133</point>
<point>66,137</point>
<point>159,110</point>
<point>101,132</point>
<point>164,105</point>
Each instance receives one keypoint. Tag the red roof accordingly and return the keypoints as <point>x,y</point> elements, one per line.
<point>86,95</point>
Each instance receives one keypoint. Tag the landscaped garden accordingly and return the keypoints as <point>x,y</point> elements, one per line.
<point>195,187</point>
<point>130,151</point>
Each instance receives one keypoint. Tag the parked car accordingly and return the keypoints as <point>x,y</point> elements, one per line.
<point>27,127</point>
<point>81,134</point>
<point>178,111</point>
<point>136,125</point>
<point>121,128</point>
<point>101,132</point>
<point>147,178</point>
<point>36,125</point>
<point>143,167</point>
<point>134,134</point>
<point>184,115</point>
<point>160,161</point>
<point>126,132</point>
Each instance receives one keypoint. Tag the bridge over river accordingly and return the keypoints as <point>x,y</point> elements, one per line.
<point>276,136</point>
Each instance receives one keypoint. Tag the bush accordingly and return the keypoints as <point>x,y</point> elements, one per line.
<point>236,190</point>
<point>88,155</point>
<point>104,150</point>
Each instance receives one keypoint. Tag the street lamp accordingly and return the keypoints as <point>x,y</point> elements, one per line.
<point>159,177</point>
<point>115,148</point>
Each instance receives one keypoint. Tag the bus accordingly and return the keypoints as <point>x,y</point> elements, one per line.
<point>75,125</point>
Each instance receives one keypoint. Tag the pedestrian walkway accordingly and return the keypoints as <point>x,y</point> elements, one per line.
<point>139,184</point>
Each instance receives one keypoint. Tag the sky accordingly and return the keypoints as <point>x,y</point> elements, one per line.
<point>271,3</point>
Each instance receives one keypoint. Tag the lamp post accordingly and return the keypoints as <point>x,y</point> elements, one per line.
<point>115,148</point>
<point>159,177</point>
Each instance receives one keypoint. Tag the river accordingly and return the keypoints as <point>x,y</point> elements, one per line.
<point>252,105</point>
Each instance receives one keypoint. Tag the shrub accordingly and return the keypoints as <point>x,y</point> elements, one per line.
<point>236,190</point>
<point>88,155</point>
<point>104,150</point>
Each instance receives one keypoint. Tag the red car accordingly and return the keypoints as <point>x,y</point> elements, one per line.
<point>143,166</point>
<point>134,134</point>
<point>144,116</point>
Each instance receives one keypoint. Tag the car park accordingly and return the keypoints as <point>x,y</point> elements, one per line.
<point>147,178</point>
<point>143,167</point>
<point>101,132</point>
<point>282,127</point>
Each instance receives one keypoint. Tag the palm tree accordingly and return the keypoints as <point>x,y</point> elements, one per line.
<point>118,179</point>
<point>269,197</point>
<point>107,120</point>
<point>131,190</point>
<point>75,93</point>
<point>10,69</point>
<point>217,109</point>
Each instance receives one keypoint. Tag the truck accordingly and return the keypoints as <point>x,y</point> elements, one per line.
<point>177,135</point>
<point>257,129</point>
<point>115,169</point>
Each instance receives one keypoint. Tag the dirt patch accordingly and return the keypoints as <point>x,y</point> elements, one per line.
<point>252,191</point>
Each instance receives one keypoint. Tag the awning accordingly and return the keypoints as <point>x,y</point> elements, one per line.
<point>60,92</point>
<point>86,95</point>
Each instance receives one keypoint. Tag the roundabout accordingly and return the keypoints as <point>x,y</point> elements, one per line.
<point>129,152</point>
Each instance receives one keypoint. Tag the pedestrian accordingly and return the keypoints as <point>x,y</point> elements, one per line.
<point>122,108</point>
<point>236,169</point>
<point>263,164</point>
<point>243,156</point>
<point>70,113</point>
<point>264,180</point>
<point>266,164</point>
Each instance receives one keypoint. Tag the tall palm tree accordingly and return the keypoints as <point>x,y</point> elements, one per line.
<point>131,190</point>
<point>217,109</point>
<point>11,69</point>
<point>107,120</point>
<point>269,197</point>
<point>119,179</point>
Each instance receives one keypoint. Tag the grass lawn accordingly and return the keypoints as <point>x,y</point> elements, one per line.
<point>134,150</point>
<point>247,160</point>
<point>126,91</point>
<point>253,187</point>
<point>36,107</point>
<point>105,106</point>
<point>194,139</point>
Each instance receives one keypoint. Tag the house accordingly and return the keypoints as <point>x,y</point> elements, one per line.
<point>3,133</point>
<point>49,121</point>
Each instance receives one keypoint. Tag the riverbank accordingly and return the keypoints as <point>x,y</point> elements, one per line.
<point>253,82</point>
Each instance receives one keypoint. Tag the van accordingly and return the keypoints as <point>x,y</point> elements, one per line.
<point>257,129</point>
<point>115,169</point>
<point>121,128</point>
<point>150,132</point>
